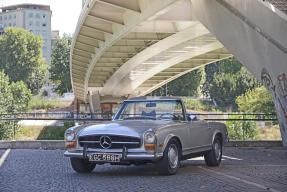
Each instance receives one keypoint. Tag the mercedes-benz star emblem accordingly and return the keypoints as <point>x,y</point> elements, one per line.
<point>105,142</point>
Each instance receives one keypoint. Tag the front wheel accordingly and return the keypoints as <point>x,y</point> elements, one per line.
<point>213,157</point>
<point>82,165</point>
<point>170,162</point>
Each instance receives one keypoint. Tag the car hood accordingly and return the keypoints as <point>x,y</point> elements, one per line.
<point>133,128</point>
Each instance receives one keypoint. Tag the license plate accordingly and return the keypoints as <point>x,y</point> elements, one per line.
<point>106,157</point>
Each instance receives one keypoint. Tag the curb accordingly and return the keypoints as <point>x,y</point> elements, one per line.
<point>60,144</point>
<point>33,144</point>
<point>254,143</point>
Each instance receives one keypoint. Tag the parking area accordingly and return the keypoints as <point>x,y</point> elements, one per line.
<point>242,169</point>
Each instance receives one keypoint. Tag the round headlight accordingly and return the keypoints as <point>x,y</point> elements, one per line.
<point>149,138</point>
<point>70,135</point>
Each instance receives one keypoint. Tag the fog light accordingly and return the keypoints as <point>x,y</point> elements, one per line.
<point>70,144</point>
<point>149,146</point>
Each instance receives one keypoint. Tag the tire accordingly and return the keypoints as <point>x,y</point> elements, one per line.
<point>170,162</point>
<point>213,157</point>
<point>82,165</point>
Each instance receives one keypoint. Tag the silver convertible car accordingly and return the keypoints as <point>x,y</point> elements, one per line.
<point>146,130</point>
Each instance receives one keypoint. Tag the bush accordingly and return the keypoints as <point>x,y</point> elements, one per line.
<point>42,104</point>
<point>14,98</point>
<point>47,105</point>
<point>242,130</point>
<point>257,100</point>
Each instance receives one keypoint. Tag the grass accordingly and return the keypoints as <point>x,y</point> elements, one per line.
<point>272,133</point>
<point>43,132</point>
<point>43,104</point>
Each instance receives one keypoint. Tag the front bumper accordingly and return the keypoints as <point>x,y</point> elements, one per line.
<point>128,156</point>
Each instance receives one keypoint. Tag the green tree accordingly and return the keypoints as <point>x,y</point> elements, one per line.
<point>210,70</point>
<point>60,66</point>
<point>258,100</point>
<point>242,130</point>
<point>228,82</point>
<point>13,98</point>
<point>21,58</point>
<point>230,65</point>
<point>223,89</point>
<point>186,85</point>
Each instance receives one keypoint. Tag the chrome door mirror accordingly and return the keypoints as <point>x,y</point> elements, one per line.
<point>191,117</point>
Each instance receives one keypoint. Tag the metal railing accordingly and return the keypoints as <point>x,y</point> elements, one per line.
<point>67,116</point>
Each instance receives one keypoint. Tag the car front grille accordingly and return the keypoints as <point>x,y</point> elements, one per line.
<point>116,142</point>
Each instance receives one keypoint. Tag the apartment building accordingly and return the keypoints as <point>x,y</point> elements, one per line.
<point>32,17</point>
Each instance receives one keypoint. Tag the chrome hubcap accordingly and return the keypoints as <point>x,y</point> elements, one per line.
<point>217,150</point>
<point>173,156</point>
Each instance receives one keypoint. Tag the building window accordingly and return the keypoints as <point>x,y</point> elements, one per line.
<point>5,25</point>
<point>37,32</point>
<point>14,16</point>
<point>44,41</point>
<point>14,24</point>
<point>44,24</point>
<point>0,18</point>
<point>44,16</point>
<point>9,24</point>
<point>53,43</point>
<point>44,49</point>
<point>31,30</point>
<point>38,15</point>
<point>30,23</point>
<point>37,23</point>
<point>5,17</point>
<point>10,16</point>
<point>44,32</point>
<point>31,14</point>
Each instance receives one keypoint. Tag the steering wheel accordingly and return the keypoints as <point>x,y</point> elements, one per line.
<point>169,116</point>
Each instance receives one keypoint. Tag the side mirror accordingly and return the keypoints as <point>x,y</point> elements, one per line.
<point>191,117</point>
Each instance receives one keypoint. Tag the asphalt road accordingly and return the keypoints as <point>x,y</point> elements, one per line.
<point>247,169</point>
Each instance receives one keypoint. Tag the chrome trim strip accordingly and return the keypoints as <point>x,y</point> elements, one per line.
<point>129,156</point>
<point>196,148</point>
<point>120,142</point>
<point>116,142</point>
<point>89,141</point>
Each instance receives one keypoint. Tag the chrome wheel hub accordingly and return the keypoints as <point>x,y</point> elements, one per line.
<point>173,156</point>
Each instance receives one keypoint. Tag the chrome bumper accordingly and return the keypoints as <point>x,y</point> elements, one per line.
<point>128,156</point>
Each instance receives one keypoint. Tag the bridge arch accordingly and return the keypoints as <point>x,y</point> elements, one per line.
<point>131,47</point>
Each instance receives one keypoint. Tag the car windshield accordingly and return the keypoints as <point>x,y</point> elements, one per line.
<point>151,110</point>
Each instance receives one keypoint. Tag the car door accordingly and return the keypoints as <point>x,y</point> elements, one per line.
<point>199,132</point>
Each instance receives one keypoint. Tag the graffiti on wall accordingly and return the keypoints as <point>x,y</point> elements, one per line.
<point>279,91</point>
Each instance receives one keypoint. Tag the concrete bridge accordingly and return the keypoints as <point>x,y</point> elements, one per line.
<point>124,48</point>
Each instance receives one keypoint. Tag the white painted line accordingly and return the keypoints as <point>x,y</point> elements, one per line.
<point>232,158</point>
<point>241,180</point>
<point>4,156</point>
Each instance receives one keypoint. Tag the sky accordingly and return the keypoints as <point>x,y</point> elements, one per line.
<point>65,13</point>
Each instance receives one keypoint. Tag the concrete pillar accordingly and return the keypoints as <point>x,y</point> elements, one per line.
<point>279,90</point>
<point>94,102</point>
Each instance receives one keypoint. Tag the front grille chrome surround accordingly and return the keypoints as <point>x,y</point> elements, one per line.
<point>117,141</point>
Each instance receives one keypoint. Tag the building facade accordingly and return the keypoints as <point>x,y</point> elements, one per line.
<point>31,17</point>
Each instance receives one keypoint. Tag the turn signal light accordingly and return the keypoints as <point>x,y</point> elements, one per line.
<point>149,146</point>
<point>70,144</point>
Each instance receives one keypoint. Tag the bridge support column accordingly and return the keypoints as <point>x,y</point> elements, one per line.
<point>279,91</point>
<point>94,103</point>
<point>281,108</point>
